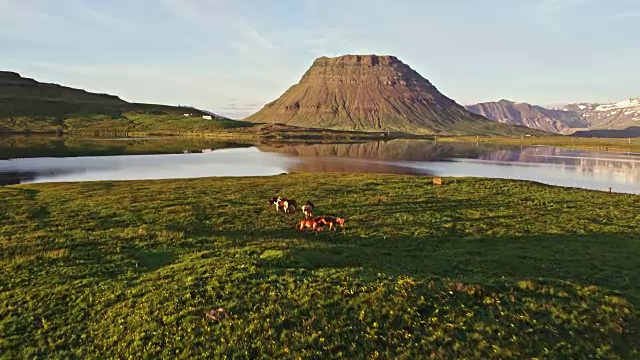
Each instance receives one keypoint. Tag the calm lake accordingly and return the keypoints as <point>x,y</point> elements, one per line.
<point>29,159</point>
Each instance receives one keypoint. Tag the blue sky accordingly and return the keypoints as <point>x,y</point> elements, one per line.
<point>231,57</point>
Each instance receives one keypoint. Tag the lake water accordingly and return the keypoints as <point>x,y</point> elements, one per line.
<point>54,160</point>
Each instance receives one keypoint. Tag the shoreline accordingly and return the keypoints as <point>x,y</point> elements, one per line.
<point>302,135</point>
<point>448,179</point>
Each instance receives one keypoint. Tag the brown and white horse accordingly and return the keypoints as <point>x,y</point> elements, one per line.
<point>307,209</point>
<point>283,204</point>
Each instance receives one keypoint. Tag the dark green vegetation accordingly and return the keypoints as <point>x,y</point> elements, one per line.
<point>473,269</point>
<point>30,106</point>
<point>137,123</point>
<point>632,131</point>
<point>48,146</point>
<point>38,145</point>
<point>607,144</point>
<point>278,137</point>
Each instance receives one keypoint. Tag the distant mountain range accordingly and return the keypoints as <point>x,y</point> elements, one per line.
<point>532,116</point>
<point>607,116</point>
<point>584,119</point>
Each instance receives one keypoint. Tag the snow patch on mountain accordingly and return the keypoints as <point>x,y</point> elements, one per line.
<point>621,105</point>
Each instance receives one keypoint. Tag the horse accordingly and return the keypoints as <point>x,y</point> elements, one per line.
<point>307,209</point>
<point>274,202</point>
<point>277,202</point>
<point>283,204</point>
<point>333,222</point>
<point>314,224</point>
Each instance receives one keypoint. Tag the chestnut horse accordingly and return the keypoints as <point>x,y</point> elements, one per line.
<point>313,224</point>
<point>333,222</point>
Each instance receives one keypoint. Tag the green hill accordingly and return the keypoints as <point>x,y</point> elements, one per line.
<point>27,105</point>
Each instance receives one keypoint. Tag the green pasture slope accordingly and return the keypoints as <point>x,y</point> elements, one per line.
<point>29,106</point>
<point>477,268</point>
<point>139,122</point>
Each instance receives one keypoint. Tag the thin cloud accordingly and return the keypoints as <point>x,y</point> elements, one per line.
<point>242,108</point>
<point>240,111</point>
<point>195,11</point>
<point>104,18</point>
<point>550,14</point>
<point>92,69</point>
<point>254,36</point>
<point>627,15</point>
<point>247,37</point>
<point>17,12</point>
<point>551,6</point>
<point>124,70</point>
<point>545,11</point>
<point>238,32</point>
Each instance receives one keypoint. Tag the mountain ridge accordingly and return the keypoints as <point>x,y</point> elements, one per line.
<point>517,113</point>
<point>608,116</point>
<point>567,119</point>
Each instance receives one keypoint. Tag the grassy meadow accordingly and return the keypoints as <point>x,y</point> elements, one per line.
<point>131,123</point>
<point>477,268</point>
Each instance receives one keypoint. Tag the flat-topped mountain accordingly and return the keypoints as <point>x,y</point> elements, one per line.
<point>372,93</point>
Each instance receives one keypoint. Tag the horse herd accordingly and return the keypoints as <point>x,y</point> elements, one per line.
<point>289,206</point>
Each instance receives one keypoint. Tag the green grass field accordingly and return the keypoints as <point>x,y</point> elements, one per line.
<point>125,124</point>
<point>477,268</point>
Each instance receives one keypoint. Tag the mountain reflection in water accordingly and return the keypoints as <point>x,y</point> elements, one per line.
<point>598,170</point>
<point>83,160</point>
<point>413,150</point>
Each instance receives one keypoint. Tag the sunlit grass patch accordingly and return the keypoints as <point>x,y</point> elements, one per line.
<point>476,268</point>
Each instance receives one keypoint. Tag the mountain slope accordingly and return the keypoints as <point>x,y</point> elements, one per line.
<point>27,97</point>
<point>372,93</point>
<point>27,105</point>
<point>579,118</point>
<point>523,114</point>
<point>616,116</point>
